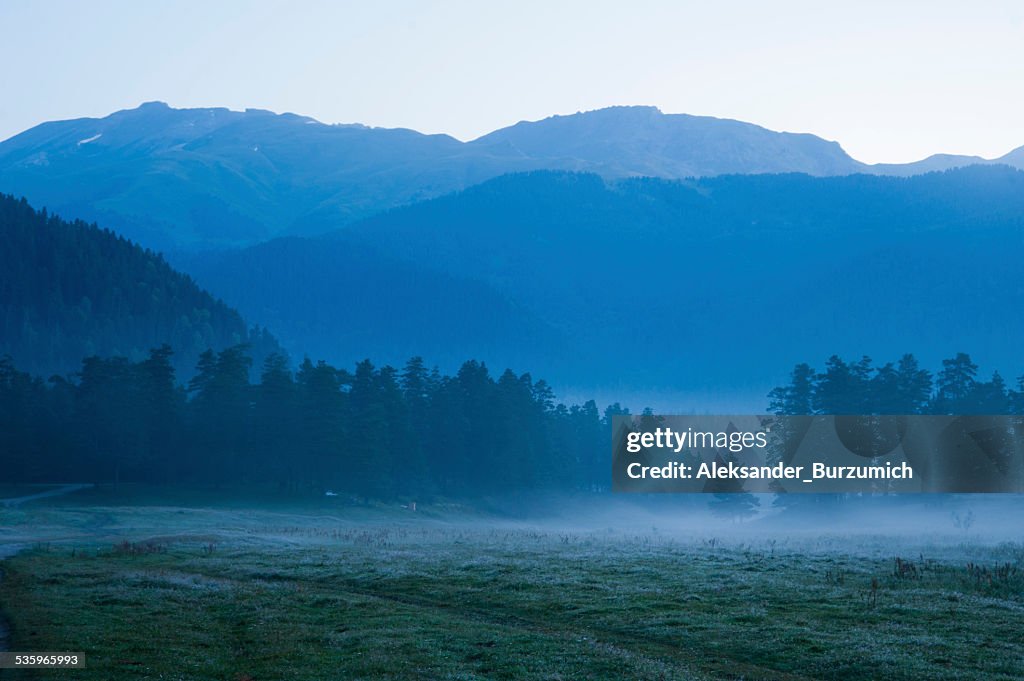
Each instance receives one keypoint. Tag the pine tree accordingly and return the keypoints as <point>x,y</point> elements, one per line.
<point>797,397</point>
<point>275,421</point>
<point>955,385</point>
<point>914,386</point>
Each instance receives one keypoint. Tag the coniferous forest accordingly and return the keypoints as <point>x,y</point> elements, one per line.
<point>366,433</point>
<point>903,387</point>
<point>70,290</point>
<point>381,432</point>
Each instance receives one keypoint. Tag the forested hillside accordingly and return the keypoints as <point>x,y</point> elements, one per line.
<point>702,287</point>
<point>69,290</point>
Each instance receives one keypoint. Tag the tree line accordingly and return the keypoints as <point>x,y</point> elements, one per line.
<point>903,387</point>
<point>382,432</point>
<point>369,432</point>
<point>862,387</point>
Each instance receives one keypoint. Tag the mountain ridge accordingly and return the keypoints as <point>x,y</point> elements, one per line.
<point>188,179</point>
<point>613,130</point>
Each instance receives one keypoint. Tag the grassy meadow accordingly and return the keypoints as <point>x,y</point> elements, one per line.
<point>246,591</point>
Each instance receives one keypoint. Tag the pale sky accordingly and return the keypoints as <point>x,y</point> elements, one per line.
<point>890,81</point>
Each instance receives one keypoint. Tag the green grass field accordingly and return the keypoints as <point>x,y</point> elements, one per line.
<point>165,592</point>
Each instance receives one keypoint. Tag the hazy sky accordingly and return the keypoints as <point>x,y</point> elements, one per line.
<point>891,81</point>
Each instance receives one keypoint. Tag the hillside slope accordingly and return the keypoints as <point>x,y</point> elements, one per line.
<point>69,289</point>
<point>711,286</point>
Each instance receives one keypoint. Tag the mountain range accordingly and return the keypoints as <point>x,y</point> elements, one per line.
<point>196,179</point>
<point>621,252</point>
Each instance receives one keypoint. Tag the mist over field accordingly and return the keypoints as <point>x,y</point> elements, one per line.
<point>643,588</point>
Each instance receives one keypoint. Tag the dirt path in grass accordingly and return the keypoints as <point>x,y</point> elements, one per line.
<point>8,550</point>
<point>674,660</point>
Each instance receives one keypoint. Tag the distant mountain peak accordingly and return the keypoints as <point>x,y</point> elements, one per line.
<point>623,141</point>
<point>623,110</point>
